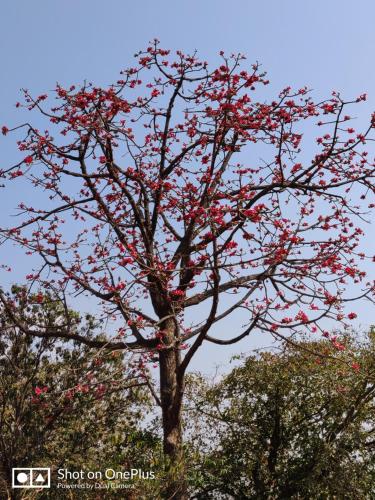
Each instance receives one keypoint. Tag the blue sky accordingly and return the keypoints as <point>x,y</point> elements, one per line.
<point>325,45</point>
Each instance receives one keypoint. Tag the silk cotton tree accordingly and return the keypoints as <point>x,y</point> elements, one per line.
<point>176,200</point>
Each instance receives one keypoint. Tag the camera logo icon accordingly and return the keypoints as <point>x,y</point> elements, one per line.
<point>31,477</point>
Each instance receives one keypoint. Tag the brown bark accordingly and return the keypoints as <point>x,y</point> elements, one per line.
<point>171,395</point>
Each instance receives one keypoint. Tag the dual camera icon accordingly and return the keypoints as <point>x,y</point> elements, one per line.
<point>31,477</point>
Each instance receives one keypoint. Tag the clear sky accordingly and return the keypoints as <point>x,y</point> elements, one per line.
<point>324,44</point>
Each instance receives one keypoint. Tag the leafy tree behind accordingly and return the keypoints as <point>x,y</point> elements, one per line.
<point>289,425</point>
<point>63,406</point>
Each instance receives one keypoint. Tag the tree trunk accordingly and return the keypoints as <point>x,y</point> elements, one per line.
<point>171,394</point>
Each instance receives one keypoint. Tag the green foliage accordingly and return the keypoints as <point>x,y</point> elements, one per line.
<point>288,425</point>
<point>66,406</point>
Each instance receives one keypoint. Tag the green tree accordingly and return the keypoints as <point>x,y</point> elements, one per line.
<point>63,405</point>
<point>289,425</point>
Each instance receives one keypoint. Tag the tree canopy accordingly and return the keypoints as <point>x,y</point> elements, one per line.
<point>66,406</point>
<point>287,425</point>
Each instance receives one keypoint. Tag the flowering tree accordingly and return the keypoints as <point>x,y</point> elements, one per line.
<point>158,208</point>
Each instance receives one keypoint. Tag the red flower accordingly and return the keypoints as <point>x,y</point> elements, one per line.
<point>352,315</point>
<point>16,173</point>
<point>350,271</point>
<point>296,167</point>
<point>301,316</point>
<point>40,390</point>
<point>28,160</point>
<point>176,294</point>
<point>4,130</point>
